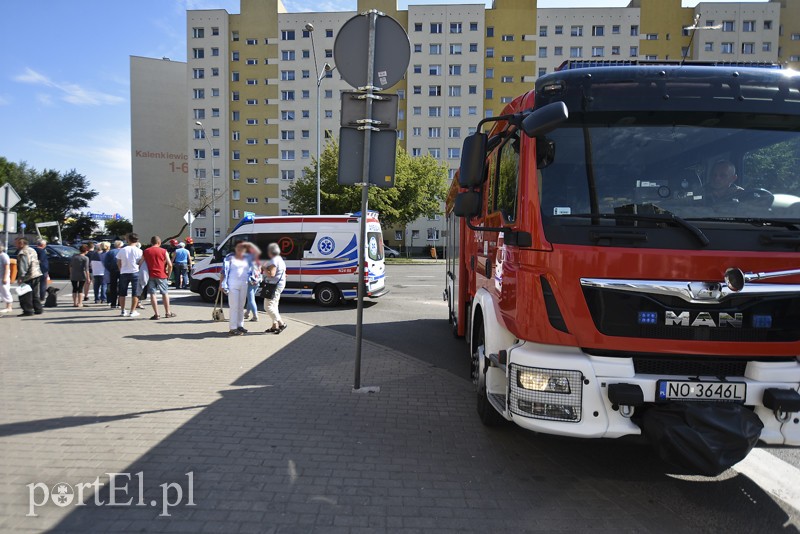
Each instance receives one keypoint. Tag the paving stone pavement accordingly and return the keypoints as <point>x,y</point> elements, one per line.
<point>277,442</point>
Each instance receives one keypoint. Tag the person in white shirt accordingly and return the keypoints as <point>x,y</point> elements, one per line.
<point>128,263</point>
<point>274,283</point>
<point>238,270</point>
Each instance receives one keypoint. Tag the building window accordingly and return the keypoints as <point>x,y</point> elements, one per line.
<point>490,73</point>
<point>328,52</point>
<point>287,135</point>
<point>473,89</point>
<point>252,200</point>
<point>198,33</point>
<point>215,91</point>
<point>236,155</point>
<point>434,111</point>
<point>287,174</point>
<point>214,71</point>
<point>287,35</point>
<point>489,31</point>
<point>455,49</point>
<point>435,49</point>
<point>454,90</point>
<point>417,89</point>
<point>576,51</point>
<point>598,31</point>
<point>490,52</point>
<point>542,31</point>
<point>435,70</point>
<point>252,81</point>
<point>727,48</point>
<point>434,90</point>
<point>473,26</point>
<point>234,76</point>
<point>416,131</point>
<point>287,95</point>
<point>453,153</point>
<point>454,133</point>
<point>728,26</point>
<point>473,68</point>
<point>766,47</point>
<point>287,155</point>
<point>542,71</point>
<point>287,115</point>
<point>576,31</point>
<point>598,51</point>
<point>417,26</point>
<point>558,50</point>
<point>796,37</point>
<point>559,30</point>
<point>615,29</point>
<point>434,132</point>
<point>507,79</point>
<point>435,152</point>
<point>251,122</point>
<point>251,61</point>
<point>418,48</point>
<point>507,38</point>
<point>455,70</point>
<point>767,24</point>
<point>236,194</point>
<point>329,33</point>
<point>634,51</point>
<point>328,93</point>
<point>436,27</point>
<point>199,94</point>
<point>306,93</point>
<point>473,47</point>
<point>455,27</point>
<point>235,175</point>
<point>454,111</point>
<point>651,37</point>
<point>199,153</point>
<point>215,52</point>
<point>417,110</point>
<point>235,115</point>
<point>489,94</point>
<point>288,75</point>
<point>749,26</point>
<point>252,181</point>
<point>234,36</point>
<point>708,47</point>
<point>234,56</point>
<point>328,113</point>
<point>214,132</point>
<point>748,48</point>
<point>287,55</point>
<point>198,53</point>
<point>251,42</point>
<point>634,30</point>
<point>198,74</point>
<point>614,50</point>
<point>542,51</point>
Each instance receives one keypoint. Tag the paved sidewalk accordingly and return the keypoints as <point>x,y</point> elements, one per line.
<point>277,442</point>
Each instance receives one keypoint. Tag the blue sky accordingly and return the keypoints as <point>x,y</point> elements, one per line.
<point>64,79</point>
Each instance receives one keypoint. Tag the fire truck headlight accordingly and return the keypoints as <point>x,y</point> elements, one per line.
<point>543,381</point>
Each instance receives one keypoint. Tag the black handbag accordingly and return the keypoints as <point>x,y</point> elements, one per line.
<point>268,290</point>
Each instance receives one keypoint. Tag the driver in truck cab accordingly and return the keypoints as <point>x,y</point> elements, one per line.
<point>722,183</point>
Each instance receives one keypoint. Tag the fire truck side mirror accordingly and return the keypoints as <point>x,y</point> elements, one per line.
<point>545,119</point>
<point>473,155</point>
<point>467,204</point>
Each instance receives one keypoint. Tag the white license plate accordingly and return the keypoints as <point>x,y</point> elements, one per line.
<point>701,391</point>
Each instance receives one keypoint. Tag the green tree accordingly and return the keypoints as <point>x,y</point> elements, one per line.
<point>119,227</point>
<point>420,188</point>
<point>81,226</point>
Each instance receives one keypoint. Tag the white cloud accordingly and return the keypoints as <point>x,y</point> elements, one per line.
<point>44,99</point>
<point>71,93</point>
<point>4,101</point>
<point>106,162</point>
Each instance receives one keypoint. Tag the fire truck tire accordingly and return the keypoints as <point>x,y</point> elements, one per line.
<point>208,290</point>
<point>327,295</point>
<point>486,412</point>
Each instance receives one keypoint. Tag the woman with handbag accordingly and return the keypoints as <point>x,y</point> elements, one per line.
<point>238,269</point>
<point>274,281</point>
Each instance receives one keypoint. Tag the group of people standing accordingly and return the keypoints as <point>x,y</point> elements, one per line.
<point>243,272</point>
<point>32,270</point>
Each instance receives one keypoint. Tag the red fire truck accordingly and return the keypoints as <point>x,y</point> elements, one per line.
<point>610,237</point>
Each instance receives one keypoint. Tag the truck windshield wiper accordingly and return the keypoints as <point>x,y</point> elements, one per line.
<point>669,218</point>
<point>792,225</point>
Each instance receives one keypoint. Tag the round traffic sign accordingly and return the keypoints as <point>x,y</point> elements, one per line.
<point>392,51</point>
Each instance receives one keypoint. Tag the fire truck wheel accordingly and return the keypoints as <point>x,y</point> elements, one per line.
<point>488,415</point>
<point>328,295</point>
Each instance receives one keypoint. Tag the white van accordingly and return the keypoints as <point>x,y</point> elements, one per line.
<point>321,254</point>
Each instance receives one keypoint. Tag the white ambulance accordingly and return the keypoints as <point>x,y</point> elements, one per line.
<point>321,254</point>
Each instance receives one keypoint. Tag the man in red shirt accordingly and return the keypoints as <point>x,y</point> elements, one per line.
<point>159,266</point>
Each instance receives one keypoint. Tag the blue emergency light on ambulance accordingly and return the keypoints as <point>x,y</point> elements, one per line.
<point>321,254</point>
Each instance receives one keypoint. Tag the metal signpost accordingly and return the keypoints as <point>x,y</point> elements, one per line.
<point>372,68</point>
<point>9,198</point>
<point>189,218</point>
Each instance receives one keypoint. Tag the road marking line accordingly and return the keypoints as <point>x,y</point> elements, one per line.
<point>778,478</point>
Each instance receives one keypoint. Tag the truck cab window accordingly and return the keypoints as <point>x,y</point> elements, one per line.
<point>507,179</point>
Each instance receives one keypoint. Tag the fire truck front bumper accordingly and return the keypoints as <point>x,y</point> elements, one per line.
<point>565,391</point>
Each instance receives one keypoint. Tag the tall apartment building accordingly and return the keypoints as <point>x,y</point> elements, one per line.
<point>251,79</point>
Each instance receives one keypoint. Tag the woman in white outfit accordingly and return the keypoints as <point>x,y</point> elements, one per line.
<point>274,272</point>
<point>5,281</point>
<point>237,270</point>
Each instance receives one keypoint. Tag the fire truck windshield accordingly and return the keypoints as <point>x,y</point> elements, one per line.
<point>701,167</point>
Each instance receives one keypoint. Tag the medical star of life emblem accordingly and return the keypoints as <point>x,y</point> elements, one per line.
<point>326,245</point>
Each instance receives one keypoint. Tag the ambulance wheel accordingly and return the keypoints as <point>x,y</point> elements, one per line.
<point>486,412</point>
<point>328,295</point>
<point>208,290</point>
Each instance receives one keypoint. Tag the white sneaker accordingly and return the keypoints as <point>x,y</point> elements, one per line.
<point>5,310</point>
<point>134,314</point>
<point>123,313</point>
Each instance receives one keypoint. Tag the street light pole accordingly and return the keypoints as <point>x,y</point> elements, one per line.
<point>213,189</point>
<point>320,76</point>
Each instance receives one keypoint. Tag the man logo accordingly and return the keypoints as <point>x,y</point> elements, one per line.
<point>703,319</point>
<point>62,494</point>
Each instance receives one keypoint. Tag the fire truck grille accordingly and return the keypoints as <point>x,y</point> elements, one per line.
<point>742,318</point>
<point>688,367</point>
<point>546,404</point>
